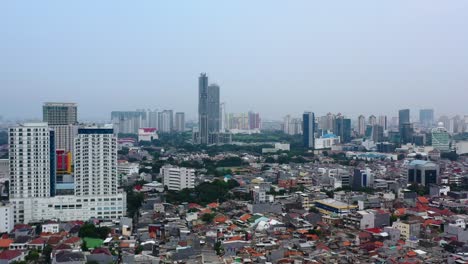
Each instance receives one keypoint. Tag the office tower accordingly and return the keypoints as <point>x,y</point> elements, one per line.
<point>60,113</point>
<point>372,120</point>
<point>362,178</point>
<point>361,125</point>
<point>440,138</point>
<point>214,119</point>
<point>426,117</point>
<point>308,126</point>
<point>180,122</point>
<point>327,122</point>
<point>165,119</point>
<point>286,122</point>
<point>405,127</point>
<point>343,128</point>
<point>177,178</point>
<point>403,117</point>
<point>31,171</point>
<point>423,172</point>
<point>377,133</point>
<point>203,108</point>
<point>383,122</point>
<point>128,122</point>
<point>152,119</point>
<point>96,175</point>
<point>254,120</point>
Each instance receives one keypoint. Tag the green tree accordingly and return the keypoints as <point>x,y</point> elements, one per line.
<point>32,256</point>
<point>46,252</point>
<point>84,246</point>
<point>208,218</point>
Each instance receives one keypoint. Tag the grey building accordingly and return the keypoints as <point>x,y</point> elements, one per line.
<point>423,172</point>
<point>308,127</point>
<point>60,113</point>
<point>426,117</point>
<point>209,112</point>
<point>180,122</point>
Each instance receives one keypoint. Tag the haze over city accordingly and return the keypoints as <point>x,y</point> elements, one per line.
<point>267,56</point>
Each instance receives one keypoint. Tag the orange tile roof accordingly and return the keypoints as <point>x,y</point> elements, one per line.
<point>346,243</point>
<point>245,217</point>
<point>234,238</point>
<point>221,219</point>
<point>5,243</point>
<point>213,205</point>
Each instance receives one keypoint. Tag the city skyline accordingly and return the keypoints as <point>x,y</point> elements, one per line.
<point>294,54</point>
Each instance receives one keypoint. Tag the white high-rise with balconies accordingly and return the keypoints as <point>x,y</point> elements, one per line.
<point>95,162</point>
<point>178,178</point>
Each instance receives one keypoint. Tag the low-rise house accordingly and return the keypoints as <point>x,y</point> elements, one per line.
<point>11,256</point>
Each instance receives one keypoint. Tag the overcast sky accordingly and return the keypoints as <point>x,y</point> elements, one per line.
<point>274,57</point>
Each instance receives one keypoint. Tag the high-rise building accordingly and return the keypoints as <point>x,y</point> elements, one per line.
<point>405,127</point>
<point>152,117</point>
<point>63,119</point>
<point>326,123</point>
<point>426,117</point>
<point>383,122</point>
<point>177,178</point>
<point>96,175</point>
<point>224,119</point>
<point>32,172</point>
<point>308,126</point>
<point>254,121</point>
<point>165,119</point>
<point>209,116</point>
<point>377,133</point>
<point>372,120</point>
<point>128,122</point>
<point>440,138</point>
<point>403,117</point>
<point>343,128</point>
<point>180,122</point>
<point>361,125</point>
<point>214,117</point>
<point>32,161</point>
<point>60,113</point>
<point>203,108</point>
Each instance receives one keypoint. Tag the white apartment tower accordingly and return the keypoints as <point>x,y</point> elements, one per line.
<point>178,178</point>
<point>95,162</point>
<point>30,161</point>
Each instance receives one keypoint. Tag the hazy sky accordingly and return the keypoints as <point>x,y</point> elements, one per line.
<point>274,57</point>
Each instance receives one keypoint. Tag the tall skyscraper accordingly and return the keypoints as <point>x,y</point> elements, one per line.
<point>254,120</point>
<point>97,175</point>
<point>361,125</point>
<point>224,121</point>
<point>426,117</point>
<point>377,133</point>
<point>214,116</point>
<point>180,122</point>
<point>372,120</point>
<point>152,117</point>
<point>308,126</point>
<point>60,113</point>
<point>209,117</point>
<point>166,121</point>
<point>383,122</point>
<point>203,108</point>
<point>343,128</point>
<point>405,127</point>
<point>403,117</point>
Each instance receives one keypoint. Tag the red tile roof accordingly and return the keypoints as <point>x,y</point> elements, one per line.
<point>10,254</point>
<point>38,241</point>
